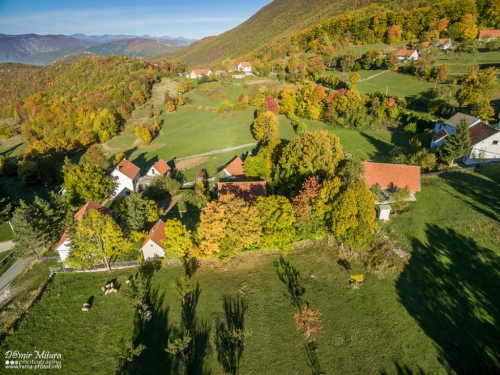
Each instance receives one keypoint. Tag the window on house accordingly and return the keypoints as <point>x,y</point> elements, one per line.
<point>495,142</point>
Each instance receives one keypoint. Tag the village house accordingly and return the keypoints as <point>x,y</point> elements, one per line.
<point>443,129</point>
<point>160,168</point>
<point>485,145</point>
<point>444,44</point>
<point>126,175</point>
<point>198,73</point>
<point>392,176</point>
<point>63,246</point>
<point>407,55</point>
<point>152,248</point>
<point>488,35</point>
<point>235,168</point>
<point>245,67</point>
<point>246,190</point>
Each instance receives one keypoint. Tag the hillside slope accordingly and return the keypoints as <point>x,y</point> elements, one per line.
<point>131,47</point>
<point>276,20</point>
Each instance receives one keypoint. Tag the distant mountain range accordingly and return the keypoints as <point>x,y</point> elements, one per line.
<point>110,38</point>
<point>44,49</point>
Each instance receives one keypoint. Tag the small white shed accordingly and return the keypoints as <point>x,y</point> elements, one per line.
<point>384,211</point>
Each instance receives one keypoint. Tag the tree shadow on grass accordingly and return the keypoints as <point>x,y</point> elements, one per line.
<point>312,360</point>
<point>404,370</point>
<point>290,276</point>
<point>450,287</point>
<point>482,193</point>
<point>383,149</point>
<point>230,334</point>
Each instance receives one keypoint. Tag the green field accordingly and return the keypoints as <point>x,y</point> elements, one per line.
<point>195,129</point>
<point>438,316</point>
<point>5,232</point>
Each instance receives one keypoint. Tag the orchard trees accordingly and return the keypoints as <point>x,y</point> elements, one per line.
<point>265,126</point>
<point>312,153</point>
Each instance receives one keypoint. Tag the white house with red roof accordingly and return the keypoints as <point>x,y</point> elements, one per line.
<point>63,246</point>
<point>407,54</point>
<point>488,35</point>
<point>152,247</point>
<point>126,175</point>
<point>245,67</point>
<point>235,168</point>
<point>444,43</point>
<point>485,144</point>
<point>160,168</point>
<point>198,73</point>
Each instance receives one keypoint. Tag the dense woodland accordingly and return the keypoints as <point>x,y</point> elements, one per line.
<point>64,107</point>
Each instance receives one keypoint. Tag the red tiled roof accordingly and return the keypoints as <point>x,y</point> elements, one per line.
<point>426,44</point>
<point>90,205</point>
<point>161,167</point>
<point>443,41</point>
<point>128,168</point>
<point>490,33</point>
<point>246,64</point>
<point>247,190</point>
<point>235,167</point>
<point>156,234</point>
<point>405,52</point>
<point>201,72</point>
<point>392,175</point>
<point>479,132</point>
<point>440,135</point>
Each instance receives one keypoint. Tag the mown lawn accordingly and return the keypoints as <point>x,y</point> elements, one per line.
<point>450,286</point>
<point>438,316</point>
<point>195,129</point>
<point>364,331</point>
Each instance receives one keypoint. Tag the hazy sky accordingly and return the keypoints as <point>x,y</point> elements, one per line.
<point>191,19</point>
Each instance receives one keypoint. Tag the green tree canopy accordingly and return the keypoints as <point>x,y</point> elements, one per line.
<point>95,238</point>
<point>178,240</point>
<point>85,182</point>
<point>135,211</point>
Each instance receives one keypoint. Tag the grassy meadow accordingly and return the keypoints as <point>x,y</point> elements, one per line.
<point>437,316</point>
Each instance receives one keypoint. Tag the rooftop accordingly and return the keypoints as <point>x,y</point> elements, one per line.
<point>161,167</point>
<point>235,167</point>
<point>392,176</point>
<point>480,131</point>
<point>440,135</point>
<point>128,168</point>
<point>156,234</point>
<point>457,117</point>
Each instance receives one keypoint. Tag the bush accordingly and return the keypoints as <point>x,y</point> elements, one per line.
<point>161,187</point>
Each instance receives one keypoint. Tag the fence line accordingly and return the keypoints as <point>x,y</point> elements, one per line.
<point>97,268</point>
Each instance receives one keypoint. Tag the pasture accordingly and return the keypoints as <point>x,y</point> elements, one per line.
<point>392,324</point>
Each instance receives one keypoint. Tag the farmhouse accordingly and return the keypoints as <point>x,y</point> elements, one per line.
<point>160,168</point>
<point>443,129</point>
<point>407,54</point>
<point>392,176</point>
<point>153,247</point>
<point>126,175</point>
<point>198,73</point>
<point>63,246</point>
<point>245,67</point>
<point>488,35</point>
<point>235,168</point>
<point>247,190</point>
<point>444,44</point>
<point>485,144</point>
